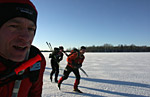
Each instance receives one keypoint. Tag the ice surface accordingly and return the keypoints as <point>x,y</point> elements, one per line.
<point>110,75</point>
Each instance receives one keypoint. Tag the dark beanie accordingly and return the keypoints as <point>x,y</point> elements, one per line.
<point>82,47</point>
<point>17,8</point>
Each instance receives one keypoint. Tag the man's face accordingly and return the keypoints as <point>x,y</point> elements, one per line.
<point>16,36</point>
<point>61,50</point>
<point>82,51</point>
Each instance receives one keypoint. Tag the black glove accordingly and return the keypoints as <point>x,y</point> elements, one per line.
<point>75,65</point>
<point>50,55</point>
<point>79,65</point>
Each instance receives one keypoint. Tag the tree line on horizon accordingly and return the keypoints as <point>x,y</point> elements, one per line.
<point>111,48</point>
<point>119,48</point>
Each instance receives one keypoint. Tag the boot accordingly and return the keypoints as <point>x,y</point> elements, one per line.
<point>59,83</point>
<point>56,81</point>
<point>77,90</point>
<point>56,77</point>
<point>51,78</point>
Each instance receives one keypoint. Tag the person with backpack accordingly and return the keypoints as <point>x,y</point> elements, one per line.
<point>21,64</point>
<point>56,57</point>
<point>75,60</point>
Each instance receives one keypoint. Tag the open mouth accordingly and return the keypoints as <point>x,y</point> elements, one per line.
<point>20,48</point>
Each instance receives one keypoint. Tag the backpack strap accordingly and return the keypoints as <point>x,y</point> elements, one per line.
<point>33,58</point>
<point>18,82</point>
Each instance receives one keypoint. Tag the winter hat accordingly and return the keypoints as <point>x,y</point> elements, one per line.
<point>82,47</point>
<point>17,8</point>
<point>61,47</point>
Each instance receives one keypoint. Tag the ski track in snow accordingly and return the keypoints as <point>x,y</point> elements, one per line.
<point>110,75</point>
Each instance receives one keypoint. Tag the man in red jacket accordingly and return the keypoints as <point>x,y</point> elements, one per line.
<point>75,60</point>
<point>21,64</point>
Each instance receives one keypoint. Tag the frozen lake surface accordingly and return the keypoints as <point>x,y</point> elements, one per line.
<point>110,75</point>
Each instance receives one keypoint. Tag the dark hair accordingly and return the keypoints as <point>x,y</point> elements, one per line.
<point>82,47</point>
<point>61,47</point>
<point>56,49</point>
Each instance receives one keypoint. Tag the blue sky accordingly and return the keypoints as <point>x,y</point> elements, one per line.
<point>73,23</point>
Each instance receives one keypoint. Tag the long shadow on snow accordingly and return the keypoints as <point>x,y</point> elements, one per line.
<point>106,91</point>
<point>85,94</point>
<point>111,81</point>
<point>48,68</point>
<point>115,82</point>
<point>51,68</point>
<point>47,72</point>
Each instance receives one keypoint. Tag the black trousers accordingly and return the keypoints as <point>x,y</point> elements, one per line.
<point>68,70</point>
<point>55,69</point>
<point>66,73</point>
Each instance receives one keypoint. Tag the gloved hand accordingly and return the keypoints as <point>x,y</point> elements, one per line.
<point>79,65</point>
<point>50,55</point>
<point>76,66</point>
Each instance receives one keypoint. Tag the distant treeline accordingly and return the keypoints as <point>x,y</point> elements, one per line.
<point>119,48</point>
<point>111,48</point>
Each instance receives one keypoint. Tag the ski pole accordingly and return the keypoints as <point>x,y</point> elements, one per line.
<point>48,46</point>
<point>83,71</point>
<point>66,53</point>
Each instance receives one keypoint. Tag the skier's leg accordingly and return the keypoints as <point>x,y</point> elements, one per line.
<point>56,72</point>
<point>66,73</point>
<point>77,81</point>
<point>53,71</point>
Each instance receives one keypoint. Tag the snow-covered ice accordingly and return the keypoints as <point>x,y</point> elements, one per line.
<point>110,75</point>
